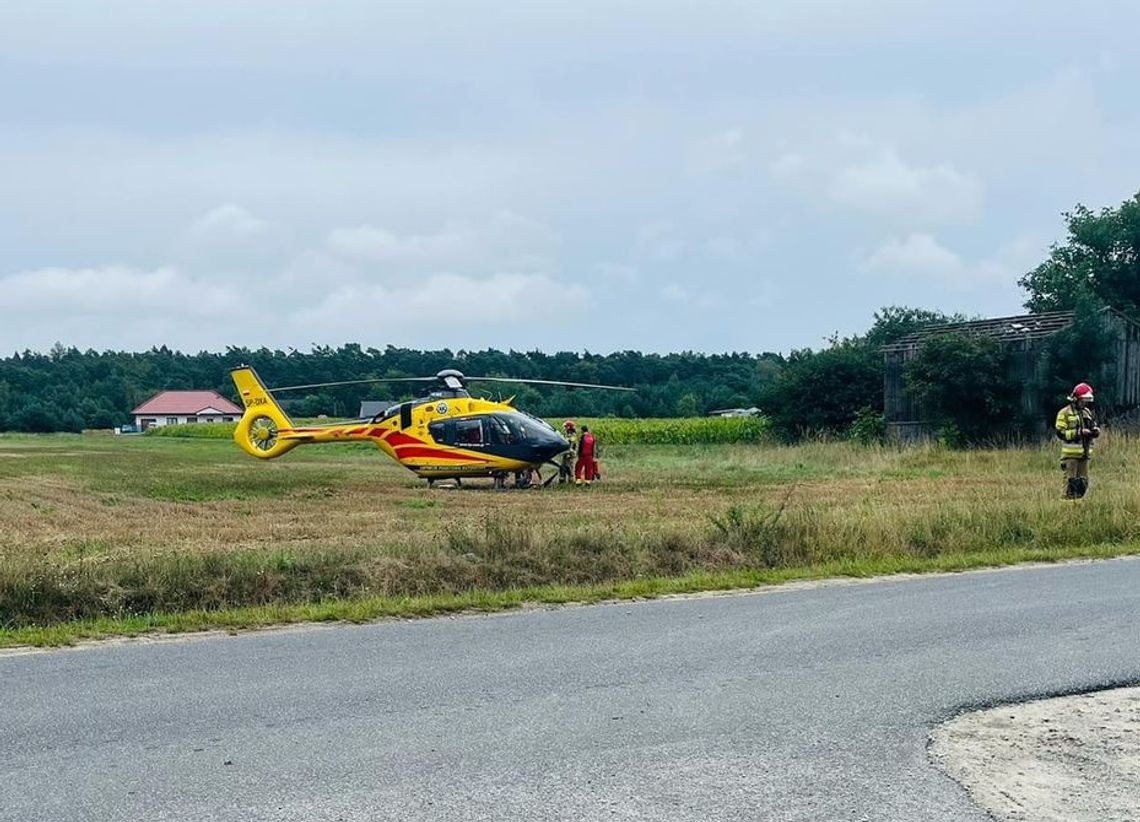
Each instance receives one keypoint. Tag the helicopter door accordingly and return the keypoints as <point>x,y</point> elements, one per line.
<point>405,415</point>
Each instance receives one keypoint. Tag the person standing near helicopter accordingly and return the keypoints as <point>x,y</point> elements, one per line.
<point>1076,429</point>
<point>586,468</point>
<point>566,463</point>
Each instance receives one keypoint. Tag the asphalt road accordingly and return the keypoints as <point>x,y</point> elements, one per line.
<point>794,704</point>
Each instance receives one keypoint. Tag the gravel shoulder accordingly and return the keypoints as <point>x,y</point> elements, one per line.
<point>1069,759</point>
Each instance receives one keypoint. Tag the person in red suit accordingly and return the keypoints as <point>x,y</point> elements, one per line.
<point>586,468</point>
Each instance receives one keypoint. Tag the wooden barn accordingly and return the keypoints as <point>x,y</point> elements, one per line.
<point>1025,336</point>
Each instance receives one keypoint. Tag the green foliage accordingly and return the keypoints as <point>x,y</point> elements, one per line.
<point>821,392</point>
<point>67,389</point>
<point>1083,352</point>
<point>689,405</point>
<point>759,533</point>
<point>1100,257</point>
<point>808,392</point>
<point>869,427</point>
<point>896,321</point>
<point>964,384</point>
<point>826,392</point>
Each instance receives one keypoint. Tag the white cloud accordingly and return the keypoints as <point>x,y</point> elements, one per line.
<point>114,292</point>
<point>372,244</point>
<point>505,241</point>
<point>854,173</point>
<point>916,255</point>
<point>124,307</point>
<point>119,306</point>
<point>503,300</point>
<point>228,220</point>
<point>887,186</point>
<point>922,257</point>
<point>648,138</point>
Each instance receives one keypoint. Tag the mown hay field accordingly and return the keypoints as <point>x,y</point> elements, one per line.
<point>98,527</point>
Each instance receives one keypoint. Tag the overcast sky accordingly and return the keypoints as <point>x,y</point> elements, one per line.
<point>601,175</point>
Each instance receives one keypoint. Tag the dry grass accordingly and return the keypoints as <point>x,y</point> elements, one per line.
<point>94,527</point>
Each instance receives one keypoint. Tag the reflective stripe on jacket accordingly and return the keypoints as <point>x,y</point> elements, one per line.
<point>1069,424</point>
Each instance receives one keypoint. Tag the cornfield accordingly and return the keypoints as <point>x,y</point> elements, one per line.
<point>609,431</point>
<point>680,431</point>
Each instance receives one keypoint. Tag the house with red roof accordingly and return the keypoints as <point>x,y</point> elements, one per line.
<point>181,407</point>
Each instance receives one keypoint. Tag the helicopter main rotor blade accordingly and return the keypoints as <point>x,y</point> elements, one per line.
<point>551,382</point>
<point>351,382</point>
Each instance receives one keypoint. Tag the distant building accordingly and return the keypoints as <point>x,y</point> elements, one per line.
<point>736,412</point>
<point>181,407</point>
<point>1025,336</point>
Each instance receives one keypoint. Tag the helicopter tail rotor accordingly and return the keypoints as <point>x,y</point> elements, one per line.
<point>259,431</point>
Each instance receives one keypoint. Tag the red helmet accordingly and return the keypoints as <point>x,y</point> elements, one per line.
<point>569,425</point>
<point>1083,391</point>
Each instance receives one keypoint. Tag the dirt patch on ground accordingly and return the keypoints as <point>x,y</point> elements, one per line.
<point>1069,759</point>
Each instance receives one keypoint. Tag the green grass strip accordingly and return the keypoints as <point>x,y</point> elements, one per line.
<point>377,608</point>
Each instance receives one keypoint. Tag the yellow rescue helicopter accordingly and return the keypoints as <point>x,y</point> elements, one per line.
<point>447,434</point>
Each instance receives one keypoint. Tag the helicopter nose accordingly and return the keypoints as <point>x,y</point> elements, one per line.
<point>553,446</point>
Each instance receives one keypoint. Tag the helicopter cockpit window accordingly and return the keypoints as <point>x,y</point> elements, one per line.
<point>528,428</point>
<point>469,432</point>
<point>499,431</point>
<point>438,431</point>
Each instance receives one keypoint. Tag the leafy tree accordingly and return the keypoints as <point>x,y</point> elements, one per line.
<point>102,388</point>
<point>822,392</point>
<point>964,384</point>
<point>36,418</point>
<point>1083,352</point>
<point>896,321</point>
<point>689,406</point>
<point>1101,257</point>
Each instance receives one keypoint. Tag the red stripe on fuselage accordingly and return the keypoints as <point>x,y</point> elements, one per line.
<point>407,451</point>
<point>397,438</point>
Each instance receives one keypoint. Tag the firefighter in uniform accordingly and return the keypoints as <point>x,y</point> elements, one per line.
<point>566,463</point>
<point>585,468</point>
<point>1076,428</point>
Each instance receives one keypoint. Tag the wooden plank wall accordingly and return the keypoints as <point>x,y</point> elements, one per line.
<point>906,420</point>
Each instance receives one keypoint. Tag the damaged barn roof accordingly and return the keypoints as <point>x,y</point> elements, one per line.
<point>1004,329</point>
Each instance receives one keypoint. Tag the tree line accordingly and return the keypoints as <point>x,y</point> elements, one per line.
<point>835,390</point>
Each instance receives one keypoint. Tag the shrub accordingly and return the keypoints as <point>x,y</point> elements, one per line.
<point>869,427</point>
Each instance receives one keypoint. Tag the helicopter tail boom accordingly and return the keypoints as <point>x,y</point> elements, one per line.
<point>262,426</point>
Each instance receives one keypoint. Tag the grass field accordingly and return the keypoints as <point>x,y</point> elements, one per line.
<point>104,535</point>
